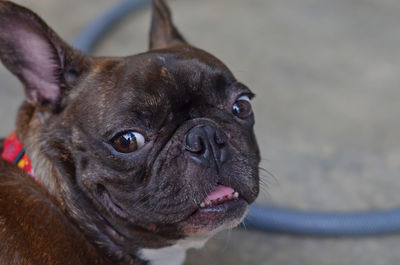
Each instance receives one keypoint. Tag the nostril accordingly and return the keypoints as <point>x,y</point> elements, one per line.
<point>195,144</point>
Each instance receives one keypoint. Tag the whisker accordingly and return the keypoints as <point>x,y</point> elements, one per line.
<point>268,174</point>
<point>267,180</point>
<point>264,188</point>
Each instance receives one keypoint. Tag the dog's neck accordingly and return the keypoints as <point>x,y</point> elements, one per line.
<point>28,131</point>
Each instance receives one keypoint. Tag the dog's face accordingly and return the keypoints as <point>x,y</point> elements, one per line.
<point>156,132</point>
<point>159,144</point>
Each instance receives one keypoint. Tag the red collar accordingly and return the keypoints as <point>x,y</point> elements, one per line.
<point>14,152</point>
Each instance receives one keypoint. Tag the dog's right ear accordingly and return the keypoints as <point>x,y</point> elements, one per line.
<point>163,32</point>
<point>44,63</point>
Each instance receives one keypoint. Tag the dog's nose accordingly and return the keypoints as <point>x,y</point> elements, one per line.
<point>207,146</point>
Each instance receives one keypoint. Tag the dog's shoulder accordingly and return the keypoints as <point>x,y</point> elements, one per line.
<point>29,217</point>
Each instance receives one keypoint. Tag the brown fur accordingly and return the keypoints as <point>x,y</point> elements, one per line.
<point>24,204</point>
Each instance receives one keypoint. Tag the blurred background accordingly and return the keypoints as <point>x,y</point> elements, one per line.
<point>326,74</point>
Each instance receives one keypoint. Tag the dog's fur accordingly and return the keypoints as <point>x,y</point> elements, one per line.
<point>94,204</point>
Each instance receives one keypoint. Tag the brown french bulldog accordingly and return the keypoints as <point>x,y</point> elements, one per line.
<point>135,159</point>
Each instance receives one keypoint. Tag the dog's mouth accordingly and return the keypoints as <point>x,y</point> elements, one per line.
<point>222,208</point>
<point>219,195</point>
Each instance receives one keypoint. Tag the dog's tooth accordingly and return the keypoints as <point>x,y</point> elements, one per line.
<point>202,205</point>
<point>236,194</point>
<point>229,196</point>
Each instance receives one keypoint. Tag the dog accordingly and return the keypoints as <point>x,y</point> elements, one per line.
<point>120,160</point>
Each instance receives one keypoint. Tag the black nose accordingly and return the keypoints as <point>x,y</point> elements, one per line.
<point>207,146</point>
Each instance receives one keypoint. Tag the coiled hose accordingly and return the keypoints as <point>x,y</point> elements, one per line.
<point>268,219</point>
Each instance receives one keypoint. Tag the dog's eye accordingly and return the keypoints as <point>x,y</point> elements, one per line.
<point>128,142</point>
<point>242,107</point>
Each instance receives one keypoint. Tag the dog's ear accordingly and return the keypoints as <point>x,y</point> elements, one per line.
<point>44,63</point>
<point>163,32</point>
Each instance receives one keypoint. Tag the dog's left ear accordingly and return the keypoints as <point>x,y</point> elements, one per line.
<point>43,62</point>
<point>163,32</point>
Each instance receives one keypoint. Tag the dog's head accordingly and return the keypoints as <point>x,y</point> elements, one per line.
<point>144,149</point>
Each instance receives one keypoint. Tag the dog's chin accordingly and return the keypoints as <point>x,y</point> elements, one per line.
<point>214,218</point>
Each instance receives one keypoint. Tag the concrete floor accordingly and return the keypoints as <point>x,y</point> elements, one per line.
<point>326,74</point>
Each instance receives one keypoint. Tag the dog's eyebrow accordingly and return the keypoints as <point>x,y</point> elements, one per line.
<point>243,89</point>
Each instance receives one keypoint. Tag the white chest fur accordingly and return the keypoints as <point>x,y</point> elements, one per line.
<point>172,255</point>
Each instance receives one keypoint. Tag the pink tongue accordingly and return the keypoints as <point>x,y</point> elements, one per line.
<point>219,192</point>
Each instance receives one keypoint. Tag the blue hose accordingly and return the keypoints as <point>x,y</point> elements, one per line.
<point>95,31</point>
<point>268,219</point>
<point>368,223</point>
